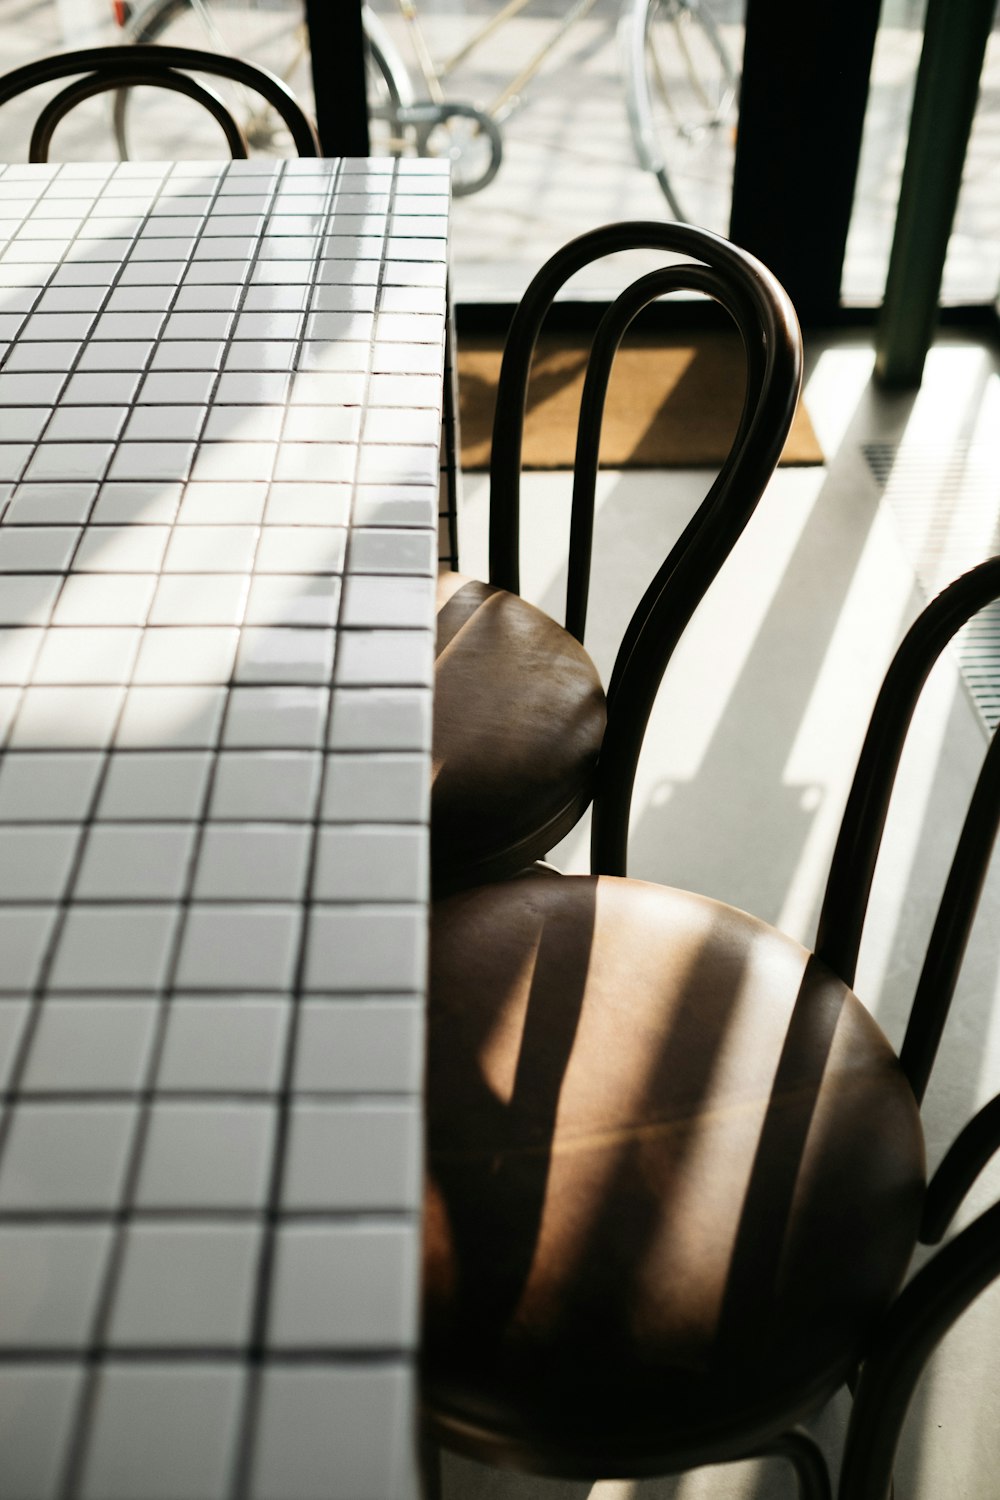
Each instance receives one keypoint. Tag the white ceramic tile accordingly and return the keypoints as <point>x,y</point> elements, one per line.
<point>250,387</point>
<point>143,785</point>
<point>338,356</point>
<point>131,355</point>
<point>377,948</point>
<point>231,423</point>
<point>36,786</point>
<point>316,1429</point>
<point>79,654</point>
<point>84,423</point>
<point>276,717</point>
<point>137,861</point>
<point>420,427</point>
<point>66,461</point>
<point>30,390</point>
<point>114,947</point>
<point>193,387</point>
<point>152,460</point>
<point>234,460</point>
<point>166,423</point>
<point>301,549</point>
<point>122,599</point>
<point>314,503</point>
<point>28,600</point>
<point>381,719</point>
<point>162,1432</point>
<point>366,1045</point>
<point>199,599</point>
<point>284,654</point>
<point>317,424</point>
<point>49,356</point>
<point>36,549</point>
<point>376,787</point>
<point>65,1156</point>
<point>35,861</point>
<point>244,356</point>
<point>121,549</point>
<point>253,862</point>
<point>96,389</point>
<point>328,387</point>
<point>223,503</point>
<point>375,1271</point>
<point>37,1406</point>
<point>136,504</point>
<point>353,1156</point>
<point>90,1046</point>
<point>316,460</point>
<point>239,947</point>
<point>182,654</point>
<point>24,937</point>
<point>70,718</point>
<point>293,599</point>
<point>13,1017</point>
<point>405,390</point>
<point>371,863</point>
<point>372,601</point>
<point>19,647</point>
<point>406,359</point>
<point>215,1156</point>
<point>211,549</point>
<point>52,1277</point>
<point>50,504</point>
<point>171,717</point>
<point>384,550</point>
<point>203,354</point>
<point>389,658</point>
<point>24,423</point>
<point>185,1285</point>
<point>224,1046</point>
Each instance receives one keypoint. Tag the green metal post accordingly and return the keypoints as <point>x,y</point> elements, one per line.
<point>944,103</point>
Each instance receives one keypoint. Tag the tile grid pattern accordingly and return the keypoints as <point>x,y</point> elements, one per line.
<point>213,862</point>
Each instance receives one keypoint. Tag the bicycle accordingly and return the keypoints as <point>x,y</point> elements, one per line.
<point>679,80</point>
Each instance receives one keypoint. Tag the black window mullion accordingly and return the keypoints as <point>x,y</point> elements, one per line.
<point>806,69</point>
<point>336,41</point>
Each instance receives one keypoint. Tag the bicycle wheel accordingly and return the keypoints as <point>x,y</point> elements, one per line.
<point>269,32</point>
<point>680,80</point>
<point>690,72</point>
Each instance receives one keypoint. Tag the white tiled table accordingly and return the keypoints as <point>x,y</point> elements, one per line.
<point>220,407</point>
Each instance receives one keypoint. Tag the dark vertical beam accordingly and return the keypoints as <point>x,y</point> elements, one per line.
<point>806,67</point>
<point>336,41</point>
<point>944,105</point>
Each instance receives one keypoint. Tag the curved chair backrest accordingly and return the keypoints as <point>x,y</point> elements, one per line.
<point>104,69</point>
<point>945,1285</point>
<point>769,330</point>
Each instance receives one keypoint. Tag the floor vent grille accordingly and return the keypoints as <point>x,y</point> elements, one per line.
<point>946,503</point>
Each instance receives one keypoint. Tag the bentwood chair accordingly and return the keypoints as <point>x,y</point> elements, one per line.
<point>99,70</point>
<point>675,1170</point>
<point>524,734</point>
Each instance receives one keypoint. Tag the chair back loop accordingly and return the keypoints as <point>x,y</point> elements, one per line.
<point>122,67</point>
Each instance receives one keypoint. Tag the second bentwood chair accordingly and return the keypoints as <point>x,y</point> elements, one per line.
<point>524,735</point>
<point>101,70</point>
<point>676,1171</point>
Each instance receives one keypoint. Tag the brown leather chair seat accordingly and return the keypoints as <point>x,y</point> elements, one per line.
<point>675,1174</point>
<point>519,716</point>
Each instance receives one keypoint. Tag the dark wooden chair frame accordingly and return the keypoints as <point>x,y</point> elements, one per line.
<point>766,322</point>
<point>114,68</point>
<point>940,1292</point>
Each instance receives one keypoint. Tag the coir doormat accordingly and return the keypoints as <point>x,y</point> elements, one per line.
<point>671,404</point>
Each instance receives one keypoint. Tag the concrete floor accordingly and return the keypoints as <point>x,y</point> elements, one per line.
<point>745,773</point>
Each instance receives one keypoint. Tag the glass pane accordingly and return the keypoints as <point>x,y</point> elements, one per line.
<point>154,123</point>
<point>579,102</point>
<point>972,270</point>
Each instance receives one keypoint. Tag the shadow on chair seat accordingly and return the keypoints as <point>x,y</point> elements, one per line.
<point>653,1178</point>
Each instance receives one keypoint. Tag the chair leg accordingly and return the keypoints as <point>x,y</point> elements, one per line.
<point>430,1470</point>
<point>804,1455</point>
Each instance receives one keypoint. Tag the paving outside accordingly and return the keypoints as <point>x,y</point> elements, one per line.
<point>569,161</point>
